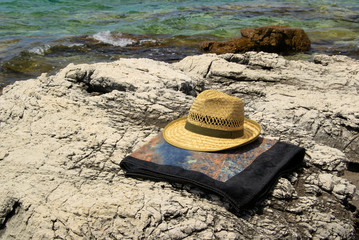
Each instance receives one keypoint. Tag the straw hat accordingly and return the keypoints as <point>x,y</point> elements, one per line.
<point>215,122</point>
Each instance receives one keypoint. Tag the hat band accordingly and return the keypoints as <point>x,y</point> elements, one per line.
<point>213,132</point>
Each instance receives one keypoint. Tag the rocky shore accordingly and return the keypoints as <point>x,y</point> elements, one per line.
<point>63,137</point>
<point>276,39</point>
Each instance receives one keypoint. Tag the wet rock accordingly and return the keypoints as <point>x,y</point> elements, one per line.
<point>70,131</point>
<point>284,38</point>
<point>237,45</point>
<point>278,39</point>
<point>26,63</point>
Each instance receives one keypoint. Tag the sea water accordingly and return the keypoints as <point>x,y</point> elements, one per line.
<point>45,35</point>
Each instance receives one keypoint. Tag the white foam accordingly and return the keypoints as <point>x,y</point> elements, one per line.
<point>75,45</point>
<point>144,41</point>
<point>114,39</point>
<point>40,50</point>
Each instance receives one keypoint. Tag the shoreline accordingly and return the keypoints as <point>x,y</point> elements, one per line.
<point>50,57</point>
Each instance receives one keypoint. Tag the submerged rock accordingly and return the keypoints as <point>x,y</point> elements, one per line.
<point>63,137</point>
<point>278,39</point>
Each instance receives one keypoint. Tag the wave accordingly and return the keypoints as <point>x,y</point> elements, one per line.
<point>115,39</point>
<point>40,50</point>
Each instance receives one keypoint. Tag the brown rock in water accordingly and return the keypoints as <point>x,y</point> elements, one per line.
<point>279,39</point>
<point>237,45</point>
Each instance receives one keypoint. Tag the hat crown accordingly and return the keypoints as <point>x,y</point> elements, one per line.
<point>216,110</point>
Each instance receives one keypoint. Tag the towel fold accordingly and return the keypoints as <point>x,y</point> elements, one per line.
<point>241,176</point>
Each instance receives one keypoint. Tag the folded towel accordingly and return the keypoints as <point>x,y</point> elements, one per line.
<point>242,176</point>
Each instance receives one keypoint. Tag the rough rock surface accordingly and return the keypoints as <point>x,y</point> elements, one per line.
<point>63,137</point>
<point>279,39</point>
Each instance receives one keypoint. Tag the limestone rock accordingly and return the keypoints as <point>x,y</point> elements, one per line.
<point>279,39</point>
<point>63,137</point>
<point>284,190</point>
<point>295,100</point>
<point>334,159</point>
<point>341,188</point>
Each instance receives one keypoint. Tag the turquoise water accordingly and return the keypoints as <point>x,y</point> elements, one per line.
<point>44,35</point>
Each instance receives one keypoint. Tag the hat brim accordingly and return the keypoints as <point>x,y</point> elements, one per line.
<point>177,135</point>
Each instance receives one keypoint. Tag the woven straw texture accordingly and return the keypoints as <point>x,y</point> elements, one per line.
<point>176,135</point>
<point>214,110</point>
